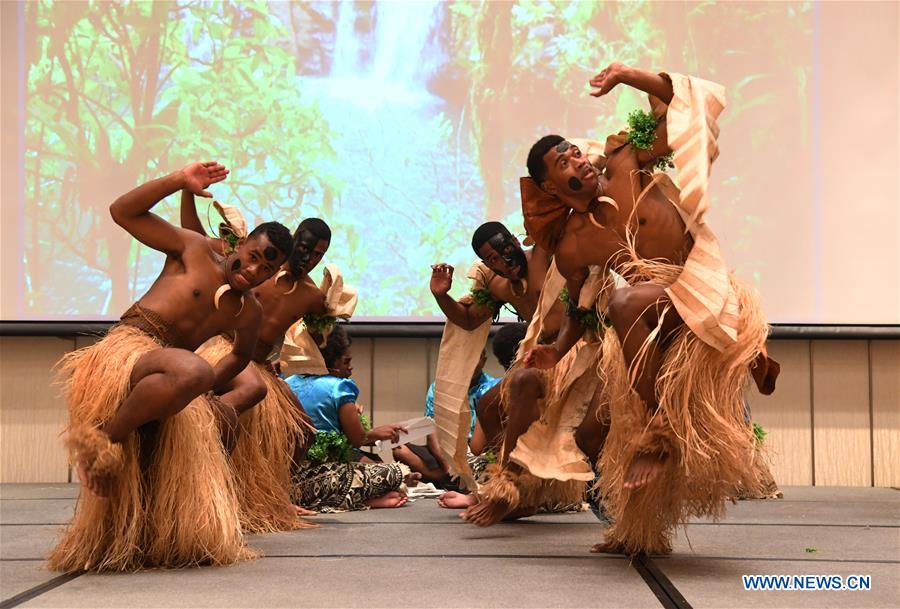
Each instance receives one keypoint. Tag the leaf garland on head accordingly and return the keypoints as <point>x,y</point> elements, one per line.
<point>642,134</point>
<point>228,237</point>
<point>586,317</point>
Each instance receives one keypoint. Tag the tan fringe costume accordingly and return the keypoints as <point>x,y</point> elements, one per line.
<point>556,471</point>
<point>699,425</point>
<point>270,433</point>
<point>300,354</point>
<point>458,355</point>
<point>182,510</point>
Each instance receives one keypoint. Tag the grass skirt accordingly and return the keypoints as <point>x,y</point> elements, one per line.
<point>699,426</point>
<point>262,459</point>
<point>182,511</point>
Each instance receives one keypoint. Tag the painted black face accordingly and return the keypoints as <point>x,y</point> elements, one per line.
<point>510,252</point>
<point>270,253</point>
<point>304,246</point>
<point>236,264</point>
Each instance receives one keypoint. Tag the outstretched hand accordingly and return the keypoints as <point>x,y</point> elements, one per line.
<point>542,357</point>
<point>387,432</point>
<point>199,177</point>
<point>441,278</point>
<point>605,81</point>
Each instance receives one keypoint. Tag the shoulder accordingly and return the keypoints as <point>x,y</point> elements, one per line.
<point>344,391</point>
<point>624,158</point>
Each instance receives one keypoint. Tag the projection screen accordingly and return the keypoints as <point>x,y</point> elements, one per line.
<point>406,124</point>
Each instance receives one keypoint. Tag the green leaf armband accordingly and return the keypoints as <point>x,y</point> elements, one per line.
<point>641,129</point>
<point>586,317</point>
<point>322,324</point>
<point>642,134</point>
<point>483,297</point>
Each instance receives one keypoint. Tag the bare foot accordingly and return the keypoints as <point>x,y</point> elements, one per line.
<point>608,547</point>
<point>485,513</point>
<point>393,499</point>
<point>644,469</point>
<point>98,460</point>
<point>412,478</point>
<point>302,511</point>
<point>91,484</point>
<point>454,500</point>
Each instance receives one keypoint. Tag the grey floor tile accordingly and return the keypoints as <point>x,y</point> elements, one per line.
<point>453,539</point>
<point>785,511</point>
<point>17,576</point>
<point>840,493</point>
<point>789,542</point>
<point>27,542</point>
<point>369,582</point>
<point>382,558</point>
<point>38,491</point>
<point>36,511</point>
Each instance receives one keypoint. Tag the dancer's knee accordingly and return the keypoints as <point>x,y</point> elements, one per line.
<point>252,393</point>
<point>526,384</point>
<point>192,377</point>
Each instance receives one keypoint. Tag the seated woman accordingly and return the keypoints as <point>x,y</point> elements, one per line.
<point>328,480</point>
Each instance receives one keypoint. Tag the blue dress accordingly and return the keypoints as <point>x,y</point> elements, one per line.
<point>322,398</point>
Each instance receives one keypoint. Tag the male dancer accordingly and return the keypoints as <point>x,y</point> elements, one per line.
<point>138,435</point>
<point>527,280</point>
<point>272,425</point>
<point>689,332</point>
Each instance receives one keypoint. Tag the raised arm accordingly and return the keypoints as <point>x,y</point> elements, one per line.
<point>131,211</point>
<point>467,316</point>
<point>189,218</point>
<point>657,85</point>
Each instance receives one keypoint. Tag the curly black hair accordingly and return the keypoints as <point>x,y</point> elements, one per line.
<point>506,343</point>
<point>337,344</point>
<point>537,169</point>
<point>278,234</point>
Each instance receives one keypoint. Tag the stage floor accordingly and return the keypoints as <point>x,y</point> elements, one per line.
<point>424,556</point>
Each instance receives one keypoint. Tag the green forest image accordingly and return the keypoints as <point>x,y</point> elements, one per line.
<point>404,125</point>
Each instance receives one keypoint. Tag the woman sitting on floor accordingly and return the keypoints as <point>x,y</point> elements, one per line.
<point>328,480</point>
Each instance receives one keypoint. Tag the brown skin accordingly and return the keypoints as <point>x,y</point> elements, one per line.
<point>504,288</point>
<point>659,234</point>
<point>477,443</point>
<point>353,429</point>
<point>589,436</point>
<point>164,381</point>
<point>279,312</point>
<point>349,413</point>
